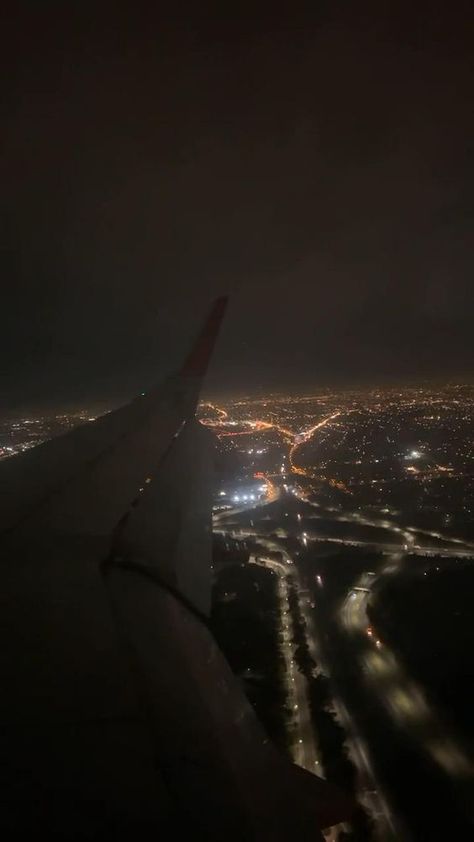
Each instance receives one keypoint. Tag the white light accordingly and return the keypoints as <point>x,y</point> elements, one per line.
<point>222,493</point>
<point>236,498</point>
<point>252,496</point>
<point>245,497</point>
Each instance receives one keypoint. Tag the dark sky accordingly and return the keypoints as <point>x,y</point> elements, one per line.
<point>317,165</point>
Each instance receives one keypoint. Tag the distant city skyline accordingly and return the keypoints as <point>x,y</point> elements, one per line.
<point>83,405</point>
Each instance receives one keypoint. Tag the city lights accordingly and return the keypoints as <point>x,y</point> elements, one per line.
<point>353,444</point>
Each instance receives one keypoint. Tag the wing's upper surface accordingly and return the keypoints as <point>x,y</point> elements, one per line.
<point>121,718</point>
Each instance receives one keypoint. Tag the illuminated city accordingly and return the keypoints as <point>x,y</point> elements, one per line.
<point>405,454</point>
<point>347,498</point>
<point>20,434</point>
<point>352,497</point>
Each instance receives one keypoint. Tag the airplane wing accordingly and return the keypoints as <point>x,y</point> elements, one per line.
<point>121,718</point>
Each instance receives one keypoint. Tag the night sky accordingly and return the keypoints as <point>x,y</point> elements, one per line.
<point>317,165</point>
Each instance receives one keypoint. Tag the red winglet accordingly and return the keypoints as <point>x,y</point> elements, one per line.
<point>198,359</point>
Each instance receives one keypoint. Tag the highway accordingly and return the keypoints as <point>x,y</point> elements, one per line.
<point>379,668</point>
<point>304,745</point>
<point>368,793</point>
<point>304,748</point>
<point>404,537</point>
<point>397,691</point>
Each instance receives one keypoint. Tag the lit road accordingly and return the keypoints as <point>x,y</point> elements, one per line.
<point>303,438</point>
<point>378,667</point>
<point>304,748</point>
<point>381,667</point>
<point>405,538</point>
<point>387,681</point>
<point>294,439</point>
<point>368,793</point>
<point>397,691</point>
